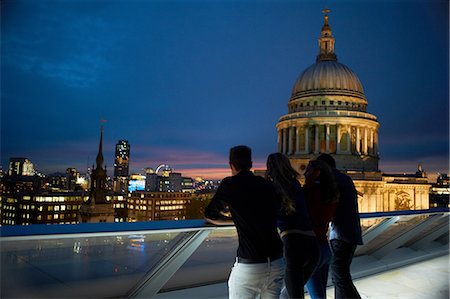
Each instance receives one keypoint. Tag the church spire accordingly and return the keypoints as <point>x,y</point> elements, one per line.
<point>99,159</point>
<point>326,41</point>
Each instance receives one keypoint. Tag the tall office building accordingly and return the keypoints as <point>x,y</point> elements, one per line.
<point>122,158</point>
<point>121,166</point>
<point>327,113</point>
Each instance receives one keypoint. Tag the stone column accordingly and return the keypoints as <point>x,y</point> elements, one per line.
<point>306,140</point>
<point>316,139</point>
<point>279,141</point>
<point>327,138</point>
<point>338,139</point>
<point>371,143</point>
<point>297,140</point>
<point>365,141</point>
<point>375,143</point>
<point>349,139</point>
<point>291,140</point>
<point>284,141</point>
<point>358,143</point>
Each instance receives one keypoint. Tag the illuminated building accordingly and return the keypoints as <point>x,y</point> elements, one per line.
<point>327,113</point>
<point>57,181</point>
<point>73,178</point>
<point>20,167</point>
<point>121,166</point>
<point>98,208</point>
<point>136,183</point>
<point>187,184</point>
<point>440,192</point>
<point>41,209</point>
<point>51,208</point>
<point>150,206</point>
<point>168,181</point>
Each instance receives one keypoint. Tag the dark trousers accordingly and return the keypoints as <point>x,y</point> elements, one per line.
<point>317,283</point>
<point>301,253</point>
<point>340,269</point>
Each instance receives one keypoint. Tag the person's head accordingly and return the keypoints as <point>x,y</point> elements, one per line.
<point>240,158</point>
<point>279,167</point>
<point>327,159</point>
<point>319,172</point>
<point>282,174</point>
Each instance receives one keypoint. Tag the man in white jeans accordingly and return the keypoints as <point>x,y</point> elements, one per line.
<point>253,204</point>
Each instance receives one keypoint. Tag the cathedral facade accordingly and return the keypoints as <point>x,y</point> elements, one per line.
<point>327,113</point>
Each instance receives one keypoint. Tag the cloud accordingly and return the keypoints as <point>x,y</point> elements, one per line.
<point>145,156</point>
<point>72,48</point>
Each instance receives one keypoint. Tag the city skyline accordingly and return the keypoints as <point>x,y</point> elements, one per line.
<point>185,81</point>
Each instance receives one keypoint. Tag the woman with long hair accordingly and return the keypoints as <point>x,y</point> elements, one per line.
<point>301,249</point>
<point>321,197</point>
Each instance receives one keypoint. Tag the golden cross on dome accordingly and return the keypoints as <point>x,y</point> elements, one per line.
<point>326,10</point>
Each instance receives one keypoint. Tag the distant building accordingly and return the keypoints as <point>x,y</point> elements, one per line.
<point>98,207</point>
<point>56,181</point>
<point>168,181</point>
<point>151,182</point>
<point>50,208</point>
<point>73,177</point>
<point>136,183</point>
<point>121,166</point>
<point>187,185</point>
<point>440,192</point>
<point>151,206</point>
<point>327,113</point>
<point>21,167</point>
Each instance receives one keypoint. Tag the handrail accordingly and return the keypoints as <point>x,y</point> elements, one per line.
<point>119,228</point>
<point>102,228</point>
<point>403,213</point>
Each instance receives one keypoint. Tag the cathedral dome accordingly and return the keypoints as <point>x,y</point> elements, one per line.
<point>328,76</point>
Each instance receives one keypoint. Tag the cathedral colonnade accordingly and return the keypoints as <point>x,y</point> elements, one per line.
<point>326,137</point>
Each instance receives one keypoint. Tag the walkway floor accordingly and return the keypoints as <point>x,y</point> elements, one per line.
<point>424,280</point>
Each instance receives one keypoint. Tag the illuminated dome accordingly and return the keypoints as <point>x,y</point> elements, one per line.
<point>329,76</point>
<point>327,113</point>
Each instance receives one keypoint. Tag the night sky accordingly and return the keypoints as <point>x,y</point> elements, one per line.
<point>183,81</point>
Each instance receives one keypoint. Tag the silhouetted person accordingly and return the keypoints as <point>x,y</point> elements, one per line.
<point>301,249</point>
<point>345,233</point>
<point>253,204</point>
<point>321,196</point>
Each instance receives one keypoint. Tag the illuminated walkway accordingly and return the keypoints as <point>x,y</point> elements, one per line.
<point>424,280</point>
<point>427,279</point>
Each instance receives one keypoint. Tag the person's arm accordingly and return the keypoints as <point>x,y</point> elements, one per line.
<point>220,221</point>
<point>216,211</point>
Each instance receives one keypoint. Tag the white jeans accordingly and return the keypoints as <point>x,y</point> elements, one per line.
<point>261,280</point>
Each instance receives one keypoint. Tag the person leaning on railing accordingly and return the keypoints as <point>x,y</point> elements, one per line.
<point>252,202</point>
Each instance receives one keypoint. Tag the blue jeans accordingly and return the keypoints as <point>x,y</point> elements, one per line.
<point>340,269</point>
<point>317,284</point>
<point>261,280</point>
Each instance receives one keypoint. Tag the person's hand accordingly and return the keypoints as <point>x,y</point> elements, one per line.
<point>219,221</point>
<point>226,213</point>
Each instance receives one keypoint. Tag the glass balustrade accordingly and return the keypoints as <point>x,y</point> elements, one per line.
<point>139,260</point>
